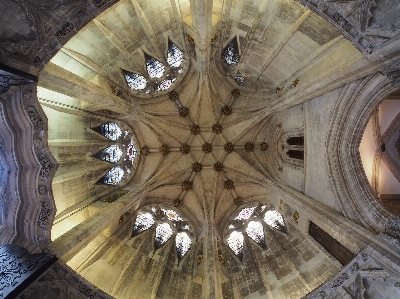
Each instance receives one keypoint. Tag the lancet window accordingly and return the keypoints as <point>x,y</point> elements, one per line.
<point>165,224</point>
<point>121,153</point>
<point>231,58</point>
<point>252,223</point>
<point>295,149</point>
<point>158,77</point>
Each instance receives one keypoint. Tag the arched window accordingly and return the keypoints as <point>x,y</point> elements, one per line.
<point>251,222</point>
<point>122,153</point>
<point>231,52</point>
<point>298,140</point>
<point>231,57</point>
<point>296,154</point>
<point>157,70</point>
<point>167,224</point>
<point>111,131</point>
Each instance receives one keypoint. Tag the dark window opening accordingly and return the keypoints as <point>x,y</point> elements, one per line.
<point>296,140</point>
<point>296,154</point>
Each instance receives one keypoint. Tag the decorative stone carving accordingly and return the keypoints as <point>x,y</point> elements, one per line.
<point>197,167</point>
<point>280,168</point>
<point>392,71</point>
<point>87,291</point>
<point>185,148</point>
<point>238,200</point>
<point>190,39</point>
<point>45,214</point>
<point>295,82</point>
<point>295,216</point>
<point>144,151</point>
<point>249,146</point>
<point>341,21</point>
<point>47,166</point>
<point>164,149</point>
<point>121,219</point>
<point>99,3</point>
<point>184,111</point>
<point>226,110</point>
<point>279,126</point>
<point>65,31</point>
<point>279,91</point>
<point>199,259</point>
<point>228,184</point>
<point>17,264</point>
<point>42,189</point>
<point>221,259</point>
<point>186,185</point>
<point>235,93</point>
<point>207,148</point>
<point>218,166</point>
<point>35,118</point>
<point>217,128</point>
<point>263,146</point>
<point>173,95</point>
<point>229,147</point>
<point>195,129</point>
<point>178,202</point>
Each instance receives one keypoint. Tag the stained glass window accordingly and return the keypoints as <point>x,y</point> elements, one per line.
<point>111,131</point>
<point>114,176</point>
<point>135,81</point>
<point>165,84</point>
<point>163,233</point>
<point>239,79</point>
<point>182,242</point>
<point>235,242</point>
<point>174,56</point>
<point>143,222</point>
<point>275,220</point>
<point>255,231</point>
<point>155,68</point>
<point>131,152</point>
<point>172,215</point>
<point>231,52</point>
<point>245,213</point>
<point>112,154</point>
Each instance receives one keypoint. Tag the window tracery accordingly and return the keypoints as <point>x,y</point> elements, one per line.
<point>167,224</point>
<point>163,234</point>
<point>114,176</point>
<point>250,222</point>
<point>111,131</point>
<point>135,81</point>
<point>175,55</point>
<point>158,77</point>
<point>122,153</point>
<point>231,58</point>
<point>155,68</point>
<point>112,154</point>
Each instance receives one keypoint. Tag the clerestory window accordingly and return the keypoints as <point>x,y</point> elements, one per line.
<point>158,77</point>
<point>252,223</point>
<point>230,58</point>
<point>166,224</point>
<point>121,153</point>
